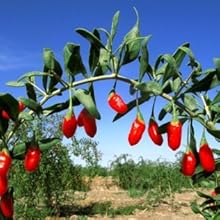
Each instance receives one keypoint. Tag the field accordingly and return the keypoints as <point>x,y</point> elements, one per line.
<point>106,197</point>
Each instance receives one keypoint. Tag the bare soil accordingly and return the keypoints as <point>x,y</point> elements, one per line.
<point>176,207</point>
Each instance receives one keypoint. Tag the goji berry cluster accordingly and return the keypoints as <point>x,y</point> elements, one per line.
<point>31,162</point>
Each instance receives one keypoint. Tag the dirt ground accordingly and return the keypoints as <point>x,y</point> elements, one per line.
<point>104,190</point>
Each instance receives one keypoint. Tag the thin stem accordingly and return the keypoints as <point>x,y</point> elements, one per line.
<point>206,107</point>
<point>184,83</point>
<point>36,87</point>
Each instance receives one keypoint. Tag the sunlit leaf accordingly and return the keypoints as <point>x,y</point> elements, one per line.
<point>46,144</point>
<point>15,84</point>
<point>90,37</point>
<point>72,59</point>
<point>87,101</point>
<point>150,87</point>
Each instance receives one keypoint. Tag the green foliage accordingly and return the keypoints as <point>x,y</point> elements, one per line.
<point>154,178</point>
<point>41,193</point>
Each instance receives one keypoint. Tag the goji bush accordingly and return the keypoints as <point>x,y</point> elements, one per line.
<point>188,95</point>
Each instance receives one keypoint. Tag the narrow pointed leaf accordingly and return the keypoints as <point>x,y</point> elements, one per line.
<point>190,101</point>
<point>72,59</point>
<point>144,59</point>
<point>180,54</point>
<point>114,24</point>
<point>217,63</point>
<point>216,99</point>
<point>31,104</point>
<point>206,83</point>
<point>150,87</point>
<point>104,62</point>
<point>30,91</point>
<point>86,100</point>
<point>46,144</point>
<point>52,68</point>
<point>94,53</point>
<point>90,37</point>
<point>19,150</point>
<point>15,84</point>
<point>25,116</point>
<point>32,74</point>
<point>166,109</point>
<point>10,105</point>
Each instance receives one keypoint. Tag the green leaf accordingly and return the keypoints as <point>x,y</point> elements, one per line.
<point>144,59</point>
<point>166,109</point>
<point>169,69</point>
<point>176,84</point>
<point>19,150</point>
<point>132,42</point>
<point>31,74</point>
<point>150,87</point>
<point>134,32</point>
<point>53,68</point>
<point>46,144</point>
<point>15,84</point>
<point>131,105</point>
<point>168,86</point>
<point>114,25</point>
<point>72,59</point>
<point>214,132</point>
<point>206,83</point>
<point>131,50</point>
<point>94,53</point>
<point>104,62</point>
<point>58,107</point>
<point>217,63</point>
<point>200,176</point>
<point>180,54</point>
<point>31,104</point>
<point>203,195</point>
<point>216,99</point>
<point>30,91</point>
<point>190,101</point>
<point>25,116</point>
<point>195,208</point>
<point>90,37</point>
<point>87,101</point>
<point>10,105</point>
<point>192,141</point>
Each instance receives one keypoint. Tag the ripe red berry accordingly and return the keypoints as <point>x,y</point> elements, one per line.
<point>206,158</point>
<point>5,115</point>
<point>153,131</point>
<point>21,106</point>
<point>88,121</point>
<point>188,165</point>
<point>174,134</point>
<point>32,158</point>
<point>69,125</point>
<point>3,185</point>
<point>136,131</point>
<point>6,205</point>
<point>116,102</point>
<point>5,162</point>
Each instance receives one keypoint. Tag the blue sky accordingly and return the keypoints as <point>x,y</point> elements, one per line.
<point>29,26</point>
